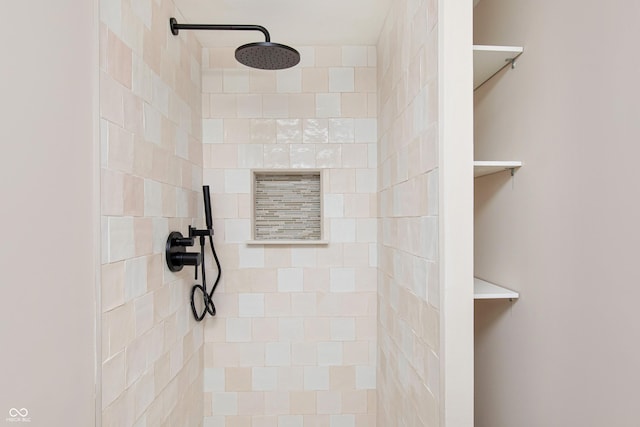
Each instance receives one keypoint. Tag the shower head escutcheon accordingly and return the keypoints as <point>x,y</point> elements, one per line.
<point>262,55</point>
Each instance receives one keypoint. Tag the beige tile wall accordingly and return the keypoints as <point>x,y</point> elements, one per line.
<point>408,279</point>
<point>294,342</point>
<point>150,110</point>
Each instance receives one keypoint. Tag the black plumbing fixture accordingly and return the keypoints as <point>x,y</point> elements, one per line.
<point>177,257</point>
<point>262,55</point>
<point>176,251</point>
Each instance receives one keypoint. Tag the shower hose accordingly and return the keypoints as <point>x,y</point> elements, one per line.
<point>207,297</point>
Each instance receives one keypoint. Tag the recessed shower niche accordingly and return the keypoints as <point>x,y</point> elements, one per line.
<point>287,207</point>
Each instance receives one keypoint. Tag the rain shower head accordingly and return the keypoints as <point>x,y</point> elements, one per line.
<point>267,56</point>
<point>262,55</point>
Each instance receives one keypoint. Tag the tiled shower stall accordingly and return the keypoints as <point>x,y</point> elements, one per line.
<point>294,342</point>
<point>341,334</point>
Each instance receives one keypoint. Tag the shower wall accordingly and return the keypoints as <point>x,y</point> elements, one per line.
<point>150,133</point>
<point>294,341</point>
<point>408,277</point>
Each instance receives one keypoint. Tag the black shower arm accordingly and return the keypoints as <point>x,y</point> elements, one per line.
<point>175,27</point>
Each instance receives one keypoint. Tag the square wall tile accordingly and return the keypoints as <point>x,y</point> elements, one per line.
<point>355,56</point>
<point>316,378</point>
<point>212,131</point>
<point>290,280</point>
<point>238,330</point>
<point>264,379</point>
<point>342,279</point>
<point>341,79</point>
<point>224,403</point>
<point>328,104</point>
<point>289,81</point>
<point>251,305</point>
<point>278,354</point>
<point>235,80</point>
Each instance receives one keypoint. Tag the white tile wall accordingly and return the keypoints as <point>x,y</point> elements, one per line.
<point>212,131</point>
<point>251,257</point>
<point>333,205</point>
<point>264,379</point>
<point>341,79</point>
<point>343,230</point>
<point>355,56</point>
<point>278,354</point>
<point>342,279</point>
<point>316,378</point>
<point>235,80</point>
<point>300,319</point>
<point>120,233</point>
<point>330,353</point>
<point>237,230</point>
<point>328,105</point>
<point>366,130</point>
<point>238,330</point>
<point>214,379</point>
<point>407,259</point>
<point>341,130</point>
<point>251,305</point>
<point>290,279</point>
<point>342,421</point>
<point>225,403</point>
<point>289,81</point>
<point>343,329</point>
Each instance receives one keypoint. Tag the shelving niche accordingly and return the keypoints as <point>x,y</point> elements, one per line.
<point>487,62</point>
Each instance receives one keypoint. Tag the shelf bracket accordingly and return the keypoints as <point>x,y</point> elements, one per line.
<point>511,61</point>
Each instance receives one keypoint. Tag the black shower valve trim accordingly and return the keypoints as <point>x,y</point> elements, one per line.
<point>176,254</point>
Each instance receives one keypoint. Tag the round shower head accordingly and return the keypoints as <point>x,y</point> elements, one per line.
<point>267,56</point>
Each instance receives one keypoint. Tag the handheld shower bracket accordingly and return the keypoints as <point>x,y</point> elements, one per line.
<point>194,232</point>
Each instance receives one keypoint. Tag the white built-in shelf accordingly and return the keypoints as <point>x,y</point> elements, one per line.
<point>486,290</point>
<point>488,60</point>
<point>482,168</point>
